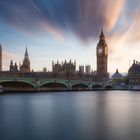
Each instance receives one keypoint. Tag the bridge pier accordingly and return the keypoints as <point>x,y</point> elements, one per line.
<point>90,86</point>
<point>69,86</point>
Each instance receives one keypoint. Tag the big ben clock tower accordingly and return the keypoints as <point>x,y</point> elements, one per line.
<point>102,56</point>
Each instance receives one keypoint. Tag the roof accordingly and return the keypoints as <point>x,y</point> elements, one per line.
<point>116,75</point>
<point>134,68</point>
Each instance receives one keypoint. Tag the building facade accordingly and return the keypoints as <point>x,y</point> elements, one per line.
<point>88,69</point>
<point>134,74</point>
<point>102,59</point>
<point>116,75</point>
<point>64,69</point>
<point>25,67</point>
<point>81,69</point>
<point>13,67</point>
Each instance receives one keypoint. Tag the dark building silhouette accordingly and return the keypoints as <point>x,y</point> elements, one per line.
<point>68,67</point>
<point>117,75</point>
<point>134,73</point>
<point>88,69</point>
<point>25,67</point>
<point>102,57</point>
<point>81,69</point>
<point>64,69</point>
<point>13,67</point>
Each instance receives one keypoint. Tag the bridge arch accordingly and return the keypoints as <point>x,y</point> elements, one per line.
<point>97,86</point>
<point>79,86</point>
<point>54,85</point>
<point>108,87</point>
<point>15,85</point>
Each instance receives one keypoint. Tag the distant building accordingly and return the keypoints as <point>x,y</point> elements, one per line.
<point>25,67</point>
<point>116,75</point>
<point>13,67</point>
<point>64,66</point>
<point>64,70</point>
<point>44,69</point>
<point>0,57</point>
<point>88,69</point>
<point>134,73</point>
<point>81,69</point>
<point>57,67</point>
<point>102,57</point>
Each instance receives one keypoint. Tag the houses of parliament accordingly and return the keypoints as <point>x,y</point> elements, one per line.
<point>25,67</point>
<point>64,70</point>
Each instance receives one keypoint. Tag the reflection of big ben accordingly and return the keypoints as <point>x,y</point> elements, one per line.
<point>102,55</point>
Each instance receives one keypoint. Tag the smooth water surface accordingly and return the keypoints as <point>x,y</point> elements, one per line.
<point>104,115</point>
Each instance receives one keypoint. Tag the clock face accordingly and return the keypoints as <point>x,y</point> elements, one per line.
<point>100,51</point>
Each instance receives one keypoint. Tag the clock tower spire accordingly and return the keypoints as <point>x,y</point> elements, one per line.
<point>102,37</point>
<point>102,57</point>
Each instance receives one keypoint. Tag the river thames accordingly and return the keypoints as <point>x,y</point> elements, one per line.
<point>95,115</point>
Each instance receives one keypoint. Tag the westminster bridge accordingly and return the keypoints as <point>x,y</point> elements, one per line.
<point>32,82</point>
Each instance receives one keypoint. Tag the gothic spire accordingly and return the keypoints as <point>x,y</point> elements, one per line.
<point>11,63</point>
<point>26,53</point>
<point>102,34</point>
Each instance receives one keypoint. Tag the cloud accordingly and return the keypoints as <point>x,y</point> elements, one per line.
<point>133,33</point>
<point>82,17</point>
<point>113,10</point>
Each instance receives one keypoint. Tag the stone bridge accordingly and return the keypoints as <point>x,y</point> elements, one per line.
<point>31,84</point>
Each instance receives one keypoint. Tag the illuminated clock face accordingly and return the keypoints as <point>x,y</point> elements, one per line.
<point>100,51</point>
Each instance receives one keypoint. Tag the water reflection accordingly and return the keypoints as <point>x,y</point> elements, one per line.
<point>112,115</point>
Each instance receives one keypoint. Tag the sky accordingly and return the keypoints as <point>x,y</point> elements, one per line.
<point>70,29</point>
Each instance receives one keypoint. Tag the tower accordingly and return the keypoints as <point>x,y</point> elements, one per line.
<point>11,66</point>
<point>26,63</point>
<point>102,56</point>
<point>88,69</point>
<point>0,58</point>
